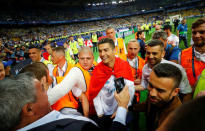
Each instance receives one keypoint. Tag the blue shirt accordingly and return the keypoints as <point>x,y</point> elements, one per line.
<point>171,54</point>
<point>182,29</point>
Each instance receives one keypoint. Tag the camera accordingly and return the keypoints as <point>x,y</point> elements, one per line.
<point>119,84</point>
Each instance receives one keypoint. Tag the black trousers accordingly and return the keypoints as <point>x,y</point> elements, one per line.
<point>184,38</point>
<point>95,47</point>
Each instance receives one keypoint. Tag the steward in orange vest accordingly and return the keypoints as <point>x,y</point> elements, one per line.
<point>136,63</point>
<point>58,58</point>
<point>192,65</point>
<point>68,100</point>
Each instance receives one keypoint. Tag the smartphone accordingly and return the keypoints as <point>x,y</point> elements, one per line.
<point>119,84</point>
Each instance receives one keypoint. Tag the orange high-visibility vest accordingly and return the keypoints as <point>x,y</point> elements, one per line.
<point>136,35</point>
<point>141,63</point>
<point>87,76</point>
<point>120,50</point>
<point>192,66</point>
<point>68,100</point>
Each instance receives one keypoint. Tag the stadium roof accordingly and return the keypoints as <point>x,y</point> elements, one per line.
<point>60,2</point>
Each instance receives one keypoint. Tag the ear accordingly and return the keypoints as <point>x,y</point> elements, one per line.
<point>163,54</point>
<point>43,80</point>
<point>176,92</point>
<point>27,110</point>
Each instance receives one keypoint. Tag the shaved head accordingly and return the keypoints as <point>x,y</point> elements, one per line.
<point>133,48</point>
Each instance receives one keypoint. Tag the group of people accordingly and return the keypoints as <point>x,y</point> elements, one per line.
<point>56,94</point>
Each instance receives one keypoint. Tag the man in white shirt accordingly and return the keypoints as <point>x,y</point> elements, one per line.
<point>171,38</point>
<point>155,53</point>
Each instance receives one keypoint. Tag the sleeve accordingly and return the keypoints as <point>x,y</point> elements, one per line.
<point>175,54</point>
<point>144,83</point>
<point>76,91</point>
<point>131,88</point>
<point>176,41</point>
<point>121,115</point>
<point>73,78</point>
<point>184,86</point>
<point>178,28</point>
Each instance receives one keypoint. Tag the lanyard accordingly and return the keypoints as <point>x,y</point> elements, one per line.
<point>193,69</point>
<point>136,63</point>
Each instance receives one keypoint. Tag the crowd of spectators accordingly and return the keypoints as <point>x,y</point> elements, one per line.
<point>21,37</point>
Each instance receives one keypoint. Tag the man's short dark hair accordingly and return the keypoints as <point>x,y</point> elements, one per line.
<point>107,40</point>
<point>168,71</point>
<point>167,27</point>
<point>159,34</point>
<point>139,33</point>
<point>198,22</point>
<point>188,117</point>
<point>59,49</point>
<point>34,46</point>
<point>39,69</point>
<point>156,42</point>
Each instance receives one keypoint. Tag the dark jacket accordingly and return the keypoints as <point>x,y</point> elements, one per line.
<point>155,115</point>
<point>75,125</point>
